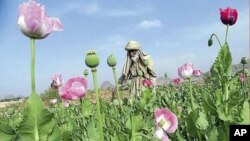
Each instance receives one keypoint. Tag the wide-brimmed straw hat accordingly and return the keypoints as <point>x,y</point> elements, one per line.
<point>132,45</point>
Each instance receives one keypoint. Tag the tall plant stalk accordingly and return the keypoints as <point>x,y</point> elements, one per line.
<point>99,116</point>
<point>116,84</point>
<point>33,81</point>
<point>191,94</point>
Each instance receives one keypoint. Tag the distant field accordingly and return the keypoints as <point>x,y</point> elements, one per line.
<point>4,104</point>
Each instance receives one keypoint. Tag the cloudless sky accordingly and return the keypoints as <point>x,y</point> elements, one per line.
<point>172,32</point>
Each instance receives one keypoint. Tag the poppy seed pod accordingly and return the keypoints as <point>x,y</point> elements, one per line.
<point>92,59</point>
<point>111,61</point>
<point>244,60</point>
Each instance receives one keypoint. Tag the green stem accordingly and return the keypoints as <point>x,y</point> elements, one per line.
<point>100,125</point>
<point>199,136</point>
<point>116,83</point>
<point>191,94</point>
<point>226,93</point>
<point>132,128</point>
<point>243,82</point>
<point>216,38</point>
<point>226,34</point>
<point>33,83</point>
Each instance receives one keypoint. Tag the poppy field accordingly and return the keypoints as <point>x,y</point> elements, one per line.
<point>192,107</point>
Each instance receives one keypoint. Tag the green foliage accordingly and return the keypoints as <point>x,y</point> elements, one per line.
<point>48,94</point>
<point>134,119</point>
<point>221,69</point>
<point>37,124</point>
<point>6,132</point>
<point>244,113</point>
<point>213,134</point>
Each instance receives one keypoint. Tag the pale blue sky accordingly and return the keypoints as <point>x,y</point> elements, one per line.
<point>172,32</point>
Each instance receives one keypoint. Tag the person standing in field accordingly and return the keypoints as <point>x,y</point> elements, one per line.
<point>138,67</point>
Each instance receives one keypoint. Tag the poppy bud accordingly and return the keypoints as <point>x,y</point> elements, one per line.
<point>86,72</point>
<point>210,42</point>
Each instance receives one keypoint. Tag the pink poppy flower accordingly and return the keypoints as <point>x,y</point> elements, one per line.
<point>74,88</point>
<point>57,80</point>
<point>165,122</point>
<point>228,16</point>
<point>147,83</point>
<point>176,81</point>
<point>196,73</point>
<point>160,134</point>
<point>34,22</point>
<point>186,71</point>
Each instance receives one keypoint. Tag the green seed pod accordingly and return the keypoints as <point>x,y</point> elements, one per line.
<point>111,61</point>
<point>210,42</point>
<point>86,72</point>
<point>244,60</point>
<point>92,59</point>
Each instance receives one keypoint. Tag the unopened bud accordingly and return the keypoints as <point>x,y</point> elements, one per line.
<point>210,42</point>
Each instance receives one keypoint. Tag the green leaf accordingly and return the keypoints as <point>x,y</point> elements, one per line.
<point>137,121</point>
<point>37,123</point>
<point>55,135</point>
<point>223,131</point>
<point>221,69</point>
<point>202,122</point>
<point>66,136</point>
<point>245,113</point>
<point>6,132</point>
<point>179,137</point>
<point>191,124</point>
<point>213,134</point>
<point>93,131</point>
<point>115,138</point>
<point>86,107</point>
<point>222,114</point>
<point>208,104</point>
